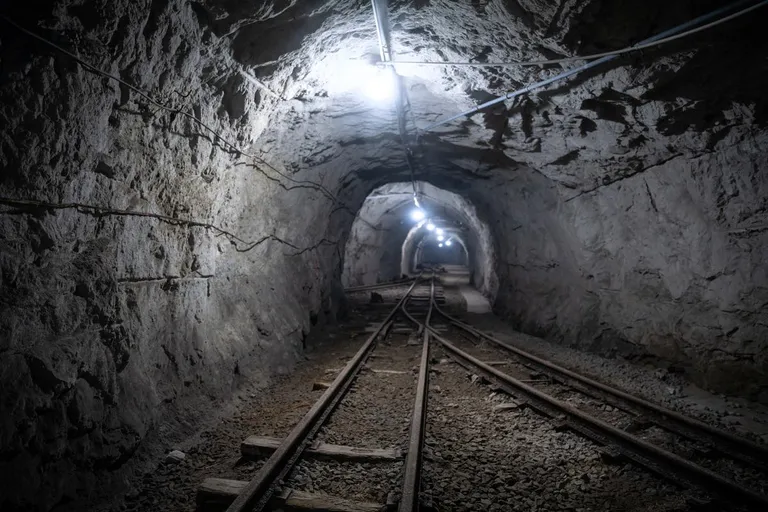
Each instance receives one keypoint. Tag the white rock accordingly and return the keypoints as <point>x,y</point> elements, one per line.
<point>175,456</point>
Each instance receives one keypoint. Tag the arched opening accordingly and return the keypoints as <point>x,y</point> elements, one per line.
<point>386,243</point>
<point>431,251</point>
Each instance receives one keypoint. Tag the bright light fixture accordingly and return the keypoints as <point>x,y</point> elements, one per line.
<point>448,243</point>
<point>345,74</point>
<point>440,238</point>
<point>417,214</point>
<point>439,231</point>
<point>379,84</point>
<point>430,227</point>
<point>440,245</point>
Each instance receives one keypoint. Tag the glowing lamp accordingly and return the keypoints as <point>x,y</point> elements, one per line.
<point>417,215</point>
<point>379,84</point>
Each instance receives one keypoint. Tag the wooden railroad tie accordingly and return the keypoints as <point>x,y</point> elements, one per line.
<point>262,446</point>
<point>611,454</point>
<point>369,369</point>
<point>510,406</point>
<point>216,494</point>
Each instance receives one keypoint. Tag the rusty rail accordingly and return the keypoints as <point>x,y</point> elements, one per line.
<point>409,501</point>
<point>730,444</point>
<point>646,452</point>
<point>258,491</point>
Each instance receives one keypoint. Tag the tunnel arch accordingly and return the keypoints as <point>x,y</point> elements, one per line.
<point>413,255</point>
<point>383,239</point>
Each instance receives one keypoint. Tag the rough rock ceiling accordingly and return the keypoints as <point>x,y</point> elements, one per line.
<point>612,122</point>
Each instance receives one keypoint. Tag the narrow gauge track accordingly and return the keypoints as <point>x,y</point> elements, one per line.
<point>645,414</point>
<point>694,446</point>
<point>271,486</point>
<point>644,450</point>
<point>552,392</point>
<point>410,496</point>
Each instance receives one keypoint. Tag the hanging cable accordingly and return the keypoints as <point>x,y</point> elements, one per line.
<point>666,36</point>
<point>631,49</point>
<point>183,112</point>
<point>386,59</point>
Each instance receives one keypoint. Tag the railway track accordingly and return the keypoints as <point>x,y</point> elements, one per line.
<point>722,470</point>
<point>332,430</point>
<point>682,449</point>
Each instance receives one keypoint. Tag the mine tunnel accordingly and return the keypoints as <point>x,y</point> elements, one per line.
<point>436,255</point>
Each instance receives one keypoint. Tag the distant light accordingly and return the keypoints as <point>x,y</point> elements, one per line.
<point>440,245</point>
<point>430,227</point>
<point>418,214</point>
<point>448,243</point>
<point>440,238</point>
<point>420,224</point>
<point>439,231</point>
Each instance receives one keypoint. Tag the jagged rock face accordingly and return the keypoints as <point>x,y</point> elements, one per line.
<point>158,264</point>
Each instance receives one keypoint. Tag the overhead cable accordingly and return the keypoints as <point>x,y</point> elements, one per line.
<point>386,58</point>
<point>666,36</point>
<point>631,49</point>
<point>149,99</point>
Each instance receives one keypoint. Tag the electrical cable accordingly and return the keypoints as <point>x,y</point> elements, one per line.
<point>386,57</point>
<point>151,100</point>
<point>678,30</point>
<point>630,49</point>
<point>101,211</point>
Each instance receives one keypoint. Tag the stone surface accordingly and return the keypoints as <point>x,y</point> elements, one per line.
<point>148,268</point>
<point>175,457</point>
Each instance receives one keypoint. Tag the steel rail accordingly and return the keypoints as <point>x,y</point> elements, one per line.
<point>409,501</point>
<point>747,451</point>
<point>256,494</point>
<point>647,451</point>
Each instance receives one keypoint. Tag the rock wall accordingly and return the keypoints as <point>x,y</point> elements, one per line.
<point>146,268</point>
<point>651,267</point>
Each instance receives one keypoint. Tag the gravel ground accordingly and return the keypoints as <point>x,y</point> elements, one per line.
<point>515,460</point>
<point>655,384</point>
<point>374,414</point>
<point>479,460</point>
<point>371,482</point>
<point>728,468</point>
<point>376,411</point>
<point>271,411</point>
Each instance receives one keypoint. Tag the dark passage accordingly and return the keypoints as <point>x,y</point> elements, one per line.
<point>432,253</point>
